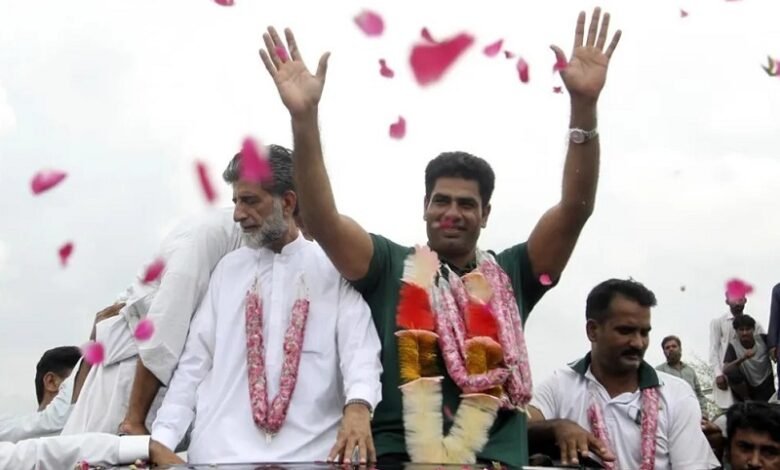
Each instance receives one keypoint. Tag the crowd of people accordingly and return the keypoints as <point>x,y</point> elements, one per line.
<point>285,332</point>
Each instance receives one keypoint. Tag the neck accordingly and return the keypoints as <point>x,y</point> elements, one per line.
<point>749,343</point>
<point>615,383</point>
<point>676,365</point>
<point>288,238</point>
<point>461,261</point>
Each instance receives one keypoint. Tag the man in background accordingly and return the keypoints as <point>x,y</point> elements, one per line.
<point>672,347</point>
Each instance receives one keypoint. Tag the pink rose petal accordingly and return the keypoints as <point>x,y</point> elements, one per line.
<point>224,3</point>
<point>93,353</point>
<point>737,289</point>
<point>44,180</point>
<point>144,330</point>
<point>560,64</point>
<point>370,23</point>
<point>430,61</point>
<point>447,223</point>
<point>425,34</point>
<point>281,52</point>
<point>254,164</point>
<point>522,70</point>
<point>448,415</point>
<point>64,252</point>
<point>154,270</point>
<point>205,182</point>
<point>509,54</point>
<point>398,129</point>
<point>384,70</point>
<point>83,465</point>
<point>492,50</point>
<point>683,13</point>
<point>545,280</point>
<point>557,89</point>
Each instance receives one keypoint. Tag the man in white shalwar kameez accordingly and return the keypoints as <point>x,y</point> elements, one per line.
<point>190,254</point>
<point>282,359</point>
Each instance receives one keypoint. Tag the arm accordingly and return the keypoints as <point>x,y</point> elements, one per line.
<point>67,451</point>
<point>688,446</point>
<point>84,367</point>
<point>731,362</point>
<point>773,338</point>
<point>716,361</point>
<point>553,239</point>
<point>359,349</point>
<point>346,243</point>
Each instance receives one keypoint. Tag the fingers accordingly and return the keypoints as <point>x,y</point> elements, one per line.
<point>337,451</point>
<point>292,45</point>
<point>363,451</point>
<point>269,65</point>
<point>371,449</point>
<point>349,450</point>
<point>322,67</point>
<point>579,32</point>
<point>603,33</point>
<point>270,49</point>
<point>571,451</point>
<point>599,448</point>
<point>594,27</point>
<point>614,43</point>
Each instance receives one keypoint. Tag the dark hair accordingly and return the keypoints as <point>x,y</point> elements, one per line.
<point>671,338</point>
<point>756,416</point>
<point>743,321</point>
<point>280,160</point>
<point>461,165</point>
<point>60,361</point>
<point>599,299</point>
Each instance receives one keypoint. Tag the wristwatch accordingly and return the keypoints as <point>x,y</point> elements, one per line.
<point>580,136</point>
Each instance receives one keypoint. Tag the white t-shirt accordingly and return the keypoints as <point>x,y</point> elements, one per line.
<point>680,442</point>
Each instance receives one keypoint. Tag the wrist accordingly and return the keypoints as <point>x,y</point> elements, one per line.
<point>359,404</point>
<point>583,114</point>
<point>306,117</point>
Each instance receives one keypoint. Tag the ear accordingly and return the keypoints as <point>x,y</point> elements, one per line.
<point>426,200</point>
<point>289,202</point>
<point>51,382</point>
<point>485,215</point>
<point>591,329</point>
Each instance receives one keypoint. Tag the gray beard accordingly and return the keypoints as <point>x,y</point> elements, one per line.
<point>271,230</point>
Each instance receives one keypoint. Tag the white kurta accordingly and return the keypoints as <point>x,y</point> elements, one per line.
<point>190,252</point>
<point>64,452</point>
<point>721,333</point>
<point>340,360</point>
<point>46,422</point>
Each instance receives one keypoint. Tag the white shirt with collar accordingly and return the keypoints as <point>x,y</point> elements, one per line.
<point>680,443</point>
<point>339,362</point>
<point>64,452</point>
<point>46,422</point>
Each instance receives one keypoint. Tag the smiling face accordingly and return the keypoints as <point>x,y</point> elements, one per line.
<point>619,341</point>
<point>454,216</point>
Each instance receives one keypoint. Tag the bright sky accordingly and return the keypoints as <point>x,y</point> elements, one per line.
<point>124,96</point>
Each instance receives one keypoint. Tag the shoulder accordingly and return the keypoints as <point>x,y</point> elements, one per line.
<point>562,379</point>
<point>674,389</point>
<point>383,243</point>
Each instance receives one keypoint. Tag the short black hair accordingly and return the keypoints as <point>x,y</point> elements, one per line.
<point>743,321</point>
<point>597,305</point>
<point>60,361</point>
<point>280,160</point>
<point>671,338</point>
<point>461,165</point>
<point>755,416</point>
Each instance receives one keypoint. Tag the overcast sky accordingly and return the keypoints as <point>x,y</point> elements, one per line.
<point>124,96</point>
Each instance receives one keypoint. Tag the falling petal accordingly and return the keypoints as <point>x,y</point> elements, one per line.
<point>509,54</point>
<point>737,289</point>
<point>44,180</point>
<point>281,52</point>
<point>683,13</point>
<point>427,35</point>
<point>398,129</point>
<point>560,64</point>
<point>446,223</point>
<point>93,353</point>
<point>384,70</point>
<point>224,3</point>
<point>493,49</point>
<point>254,164</point>
<point>522,70</point>
<point>430,61</point>
<point>545,280</point>
<point>154,270</point>
<point>65,251</point>
<point>370,23</point>
<point>557,89</point>
<point>205,182</point>
<point>448,413</point>
<point>144,330</point>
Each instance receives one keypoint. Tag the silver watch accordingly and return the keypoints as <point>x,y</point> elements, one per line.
<point>580,136</point>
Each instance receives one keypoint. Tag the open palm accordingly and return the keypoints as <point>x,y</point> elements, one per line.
<point>586,72</point>
<point>299,90</point>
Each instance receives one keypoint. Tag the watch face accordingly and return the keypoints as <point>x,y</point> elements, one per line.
<point>577,136</point>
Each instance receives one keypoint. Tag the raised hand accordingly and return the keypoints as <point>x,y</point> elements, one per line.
<point>299,90</point>
<point>586,72</point>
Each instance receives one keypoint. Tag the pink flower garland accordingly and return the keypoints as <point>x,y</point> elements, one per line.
<point>650,400</point>
<point>272,421</point>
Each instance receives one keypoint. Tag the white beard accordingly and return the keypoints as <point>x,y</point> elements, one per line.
<point>271,230</point>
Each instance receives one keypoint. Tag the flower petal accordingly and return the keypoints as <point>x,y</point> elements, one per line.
<point>93,353</point>
<point>282,53</point>
<point>683,13</point>
<point>205,182</point>
<point>44,180</point>
<point>224,3</point>
<point>430,61</point>
<point>254,164</point>
<point>545,280</point>
<point>144,330</point>
<point>384,70</point>
<point>737,289</point>
<point>509,54</point>
<point>398,129</point>
<point>370,23</point>
<point>425,34</point>
<point>522,70</point>
<point>64,252</point>
<point>154,270</point>
<point>557,89</point>
<point>492,50</point>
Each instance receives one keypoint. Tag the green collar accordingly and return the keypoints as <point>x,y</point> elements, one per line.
<point>647,376</point>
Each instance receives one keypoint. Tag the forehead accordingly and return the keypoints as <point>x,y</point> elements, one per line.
<point>247,188</point>
<point>456,188</point>
<point>756,438</point>
<point>627,312</point>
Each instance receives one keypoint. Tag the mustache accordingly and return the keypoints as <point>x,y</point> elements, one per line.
<point>633,352</point>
